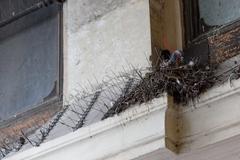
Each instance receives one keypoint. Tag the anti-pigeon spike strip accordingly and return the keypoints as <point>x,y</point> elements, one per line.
<point>88,109</point>
<point>185,83</point>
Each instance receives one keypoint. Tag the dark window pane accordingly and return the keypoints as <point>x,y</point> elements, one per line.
<point>9,8</point>
<point>219,12</point>
<point>29,54</point>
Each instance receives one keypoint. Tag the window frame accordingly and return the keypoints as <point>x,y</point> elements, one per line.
<point>54,103</point>
<point>193,33</point>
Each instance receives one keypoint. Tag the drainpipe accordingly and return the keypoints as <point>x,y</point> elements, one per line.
<point>29,10</point>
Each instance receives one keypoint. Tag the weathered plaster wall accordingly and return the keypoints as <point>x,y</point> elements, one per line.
<point>101,37</point>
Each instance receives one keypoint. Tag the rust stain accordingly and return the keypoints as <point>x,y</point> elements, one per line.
<point>12,131</point>
<point>224,46</point>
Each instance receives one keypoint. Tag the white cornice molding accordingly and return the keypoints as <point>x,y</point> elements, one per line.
<point>214,94</point>
<point>136,132</point>
<point>141,130</point>
<point>212,119</point>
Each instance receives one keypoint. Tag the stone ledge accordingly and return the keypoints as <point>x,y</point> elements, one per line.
<point>114,138</point>
<point>214,118</point>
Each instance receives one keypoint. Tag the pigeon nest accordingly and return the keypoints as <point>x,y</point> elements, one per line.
<point>184,83</point>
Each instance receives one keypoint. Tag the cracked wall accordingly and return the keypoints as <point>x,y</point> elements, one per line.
<point>101,37</point>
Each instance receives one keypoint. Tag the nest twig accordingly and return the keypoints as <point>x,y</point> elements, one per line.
<point>184,83</point>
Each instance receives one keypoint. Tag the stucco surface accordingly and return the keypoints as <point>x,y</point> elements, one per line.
<point>96,47</point>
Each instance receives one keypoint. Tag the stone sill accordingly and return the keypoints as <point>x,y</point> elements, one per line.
<point>212,119</point>
<point>134,133</point>
<point>148,131</point>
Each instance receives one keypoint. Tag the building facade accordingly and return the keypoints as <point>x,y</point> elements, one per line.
<point>61,55</point>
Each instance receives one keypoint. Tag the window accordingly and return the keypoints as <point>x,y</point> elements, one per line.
<point>30,57</point>
<point>211,29</point>
<point>219,12</point>
<point>203,16</point>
